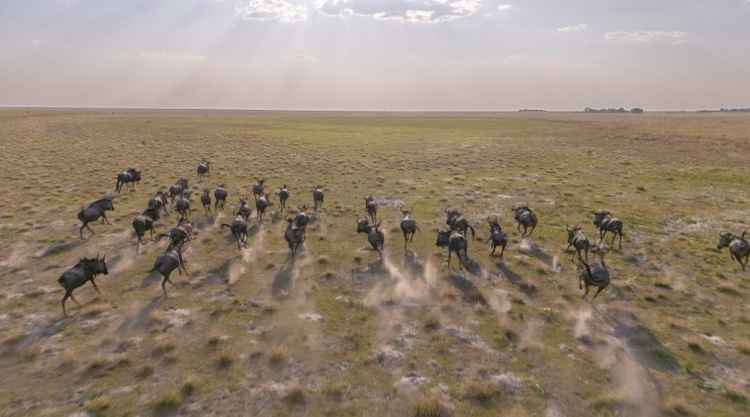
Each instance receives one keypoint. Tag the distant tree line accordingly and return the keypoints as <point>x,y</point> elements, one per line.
<point>636,110</point>
<point>740,110</point>
<point>532,110</point>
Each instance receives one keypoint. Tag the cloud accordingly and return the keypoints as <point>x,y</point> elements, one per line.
<point>648,36</point>
<point>410,11</point>
<point>506,7</point>
<point>582,27</point>
<point>271,10</point>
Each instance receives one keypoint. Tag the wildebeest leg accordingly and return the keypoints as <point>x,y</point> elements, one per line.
<point>104,216</point>
<point>89,229</point>
<point>74,299</point>
<point>164,285</point>
<point>585,293</point>
<point>586,251</point>
<point>95,287</point>
<point>597,292</point>
<point>620,234</point>
<point>65,297</point>
<point>502,250</point>
<point>493,249</point>
<point>80,231</point>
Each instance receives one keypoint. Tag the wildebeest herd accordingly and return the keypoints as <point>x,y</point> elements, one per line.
<point>454,238</point>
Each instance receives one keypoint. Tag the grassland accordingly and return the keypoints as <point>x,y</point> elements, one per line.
<point>336,334</point>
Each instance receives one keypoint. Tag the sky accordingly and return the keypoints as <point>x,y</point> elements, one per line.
<point>376,54</point>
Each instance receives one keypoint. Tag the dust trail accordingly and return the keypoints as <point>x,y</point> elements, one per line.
<point>582,330</point>
<point>403,287</point>
<point>124,260</point>
<point>529,336</point>
<point>499,302</point>
<point>249,255</point>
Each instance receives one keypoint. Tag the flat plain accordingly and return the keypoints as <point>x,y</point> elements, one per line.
<point>335,332</point>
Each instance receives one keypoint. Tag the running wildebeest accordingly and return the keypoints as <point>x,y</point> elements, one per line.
<point>239,230</point>
<point>596,276</point>
<point>159,202</point>
<point>206,201</point>
<point>457,221</point>
<point>203,168</point>
<point>739,247</point>
<point>178,188</point>
<point>374,235</point>
<point>525,218</point>
<point>244,209</point>
<point>145,222</point>
<point>261,204</point>
<point>182,206</point>
<point>302,219</point>
<point>178,236</point>
<point>283,196</point>
<point>166,264</point>
<point>258,188</point>
<point>408,227</point>
<point>578,240</point>
<point>497,237</point>
<point>85,270</point>
<point>294,236</point>
<point>94,211</point>
<point>455,242</point>
<point>128,177</point>
<point>606,223</point>
<point>220,194</point>
<point>318,198</point>
<point>372,208</point>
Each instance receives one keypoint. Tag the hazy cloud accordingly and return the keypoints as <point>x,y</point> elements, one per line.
<point>648,36</point>
<point>271,10</point>
<point>573,28</point>
<point>411,11</point>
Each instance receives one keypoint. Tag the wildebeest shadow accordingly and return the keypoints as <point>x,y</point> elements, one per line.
<point>205,222</point>
<point>515,279</point>
<point>58,248</point>
<point>645,348</point>
<point>372,269</point>
<point>472,266</point>
<point>284,278</point>
<point>138,321</point>
<point>413,264</point>
<point>152,278</point>
<point>532,249</point>
<point>469,291</point>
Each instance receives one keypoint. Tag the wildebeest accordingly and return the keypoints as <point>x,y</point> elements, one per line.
<point>739,248</point>
<point>592,276</point>
<point>166,264</point>
<point>301,219</point>
<point>128,177</point>
<point>220,195</point>
<point>244,209</point>
<point>178,236</point>
<point>455,242</point>
<point>182,206</point>
<point>374,235</point>
<point>239,230</point>
<point>259,188</point>
<point>604,221</point>
<point>145,222</point>
<point>318,198</point>
<point>94,211</point>
<point>578,240</point>
<point>261,204</point>
<point>283,197</point>
<point>178,188</point>
<point>458,222</point>
<point>372,208</point>
<point>294,236</point>
<point>408,227</point>
<point>85,270</point>
<point>206,201</point>
<point>159,202</point>
<point>526,219</point>
<point>497,238</point>
<point>203,168</point>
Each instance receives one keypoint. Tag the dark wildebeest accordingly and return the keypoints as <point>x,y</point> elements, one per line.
<point>85,270</point>
<point>145,222</point>
<point>457,221</point>
<point>455,242</point>
<point>497,237</point>
<point>203,168</point>
<point>374,235</point>
<point>408,227</point>
<point>525,218</point>
<point>244,209</point>
<point>206,201</point>
<point>606,223</point>
<point>592,276</point>
<point>220,194</point>
<point>578,240</point>
<point>178,188</point>
<point>239,230</point>
<point>739,248</point>
<point>128,177</point>
<point>372,208</point>
<point>94,211</point>
<point>165,264</point>
<point>294,236</point>
<point>258,188</point>
<point>318,198</point>
<point>283,196</point>
<point>182,206</point>
<point>302,219</point>
<point>261,204</point>
<point>178,236</point>
<point>159,202</point>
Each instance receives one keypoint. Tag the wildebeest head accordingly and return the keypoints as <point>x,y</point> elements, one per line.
<point>96,265</point>
<point>572,231</point>
<point>725,239</point>
<point>363,226</point>
<point>599,216</point>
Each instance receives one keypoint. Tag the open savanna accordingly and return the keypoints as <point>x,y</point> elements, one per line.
<point>334,332</point>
